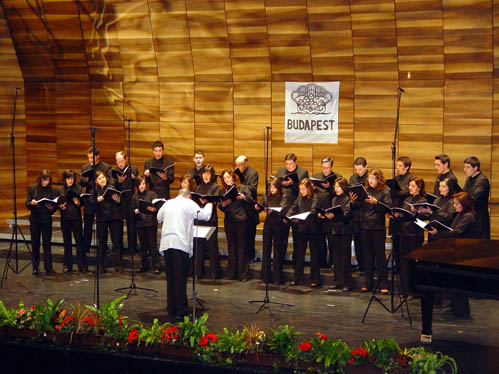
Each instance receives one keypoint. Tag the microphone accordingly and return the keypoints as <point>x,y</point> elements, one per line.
<point>16,88</point>
<point>267,127</point>
<point>400,89</point>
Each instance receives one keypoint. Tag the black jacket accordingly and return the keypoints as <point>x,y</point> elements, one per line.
<point>236,210</point>
<point>356,208</point>
<point>40,213</point>
<point>108,210</point>
<point>479,189</point>
<point>103,167</point>
<point>158,185</point>
<point>124,205</point>
<point>398,198</point>
<point>274,220</point>
<point>441,177</point>
<point>409,228</point>
<point>293,189</point>
<point>72,211</point>
<point>144,219</point>
<point>463,226</point>
<point>211,189</point>
<point>445,214</point>
<point>342,225</point>
<point>302,205</point>
<point>373,215</point>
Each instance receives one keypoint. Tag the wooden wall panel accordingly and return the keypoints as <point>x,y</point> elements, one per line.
<point>374,39</point>
<point>330,31</point>
<point>248,41</point>
<point>289,40</point>
<point>420,39</point>
<point>467,38</point>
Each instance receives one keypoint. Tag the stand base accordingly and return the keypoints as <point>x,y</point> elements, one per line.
<point>199,302</point>
<point>133,288</point>
<point>266,301</point>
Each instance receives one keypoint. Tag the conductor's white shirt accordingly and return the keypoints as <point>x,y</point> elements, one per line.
<point>177,216</point>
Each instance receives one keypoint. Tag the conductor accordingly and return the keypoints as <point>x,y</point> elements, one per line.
<point>177,216</point>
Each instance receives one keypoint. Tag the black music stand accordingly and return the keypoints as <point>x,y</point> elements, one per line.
<point>131,242</point>
<point>15,227</point>
<point>266,298</point>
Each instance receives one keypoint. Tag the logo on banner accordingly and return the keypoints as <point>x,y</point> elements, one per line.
<point>311,112</point>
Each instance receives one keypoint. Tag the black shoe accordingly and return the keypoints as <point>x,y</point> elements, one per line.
<point>83,270</point>
<point>35,272</point>
<point>49,272</point>
<point>140,270</point>
<point>67,270</point>
<point>119,269</point>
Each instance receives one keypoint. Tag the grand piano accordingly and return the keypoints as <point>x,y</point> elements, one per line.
<point>452,265</point>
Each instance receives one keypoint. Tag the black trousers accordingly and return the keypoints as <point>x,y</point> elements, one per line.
<point>276,240</point>
<point>209,247</point>
<point>302,239</point>
<point>342,254</point>
<point>131,235</point>
<point>114,228</point>
<point>45,230</point>
<point>88,223</point>
<point>250,239</point>
<point>374,252</point>
<point>325,251</point>
<point>177,266</point>
<point>74,227</point>
<point>407,245</point>
<point>237,267</point>
<point>148,238</point>
<point>396,252</point>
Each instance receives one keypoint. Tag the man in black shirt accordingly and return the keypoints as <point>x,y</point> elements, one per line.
<point>289,187</point>
<point>88,183</point>
<point>159,181</point>
<point>360,176</point>
<point>249,177</point>
<point>122,182</point>
<point>195,171</point>
<point>442,166</point>
<point>478,186</point>
<point>325,192</point>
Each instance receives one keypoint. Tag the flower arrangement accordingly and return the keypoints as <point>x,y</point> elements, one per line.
<point>316,354</point>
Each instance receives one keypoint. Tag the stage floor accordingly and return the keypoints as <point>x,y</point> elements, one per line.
<point>473,342</point>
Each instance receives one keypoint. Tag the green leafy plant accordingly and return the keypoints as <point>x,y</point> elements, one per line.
<point>430,363</point>
<point>192,331</point>
<point>282,342</point>
<point>330,352</point>
<point>7,316</point>
<point>112,322</point>
<point>153,335</point>
<point>45,317</point>
<point>78,312</point>
<point>230,345</point>
<point>383,353</point>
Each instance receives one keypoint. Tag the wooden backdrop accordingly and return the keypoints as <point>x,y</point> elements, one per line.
<point>210,74</point>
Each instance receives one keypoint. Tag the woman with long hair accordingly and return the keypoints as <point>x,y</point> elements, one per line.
<point>235,225</point>
<point>412,236</point>
<point>373,231</point>
<point>306,230</point>
<point>275,233</point>
<point>446,213</point>
<point>340,236</point>
<point>108,220</point>
<point>208,187</point>
<point>187,181</point>
<point>40,220</point>
<point>146,225</point>
<point>71,222</point>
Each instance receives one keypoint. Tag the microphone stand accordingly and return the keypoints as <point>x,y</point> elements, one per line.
<point>392,308</point>
<point>266,300</point>
<point>15,227</point>
<point>132,287</point>
<point>95,208</point>
<point>194,273</point>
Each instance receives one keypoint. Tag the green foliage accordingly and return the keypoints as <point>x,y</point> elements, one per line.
<point>154,334</point>
<point>383,352</point>
<point>231,342</point>
<point>191,332</point>
<point>331,352</point>
<point>282,341</point>
<point>45,316</point>
<point>430,363</point>
<point>112,322</point>
<point>7,316</point>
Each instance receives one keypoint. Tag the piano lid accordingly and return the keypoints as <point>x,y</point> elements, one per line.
<point>481,253</point>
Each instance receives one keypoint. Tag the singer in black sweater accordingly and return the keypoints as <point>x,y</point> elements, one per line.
<point>71,222</point>
<point>40,220</point>
<point>146,225</point>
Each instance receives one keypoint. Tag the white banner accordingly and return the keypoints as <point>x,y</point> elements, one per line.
<point>312,112</point>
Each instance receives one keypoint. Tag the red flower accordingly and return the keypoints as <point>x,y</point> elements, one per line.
<point>121,320</point>
<point>33,308</point>
<point>211,337</point>
<point>171,330</point>
<point>88,320</point>
<point>359,352</point>
<point>203,342</point>
<point>305,346</point>
<point>321,336</point>
<point>133,335</point>
<point>351,361</point>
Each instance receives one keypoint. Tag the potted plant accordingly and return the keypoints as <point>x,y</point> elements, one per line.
<point>45,318</point>
<point>329,353</point>
<point>254,353</point>
<point>423,362</point>
<point>376,356</point>
<point>282,342</point>
<point>230,346</point>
